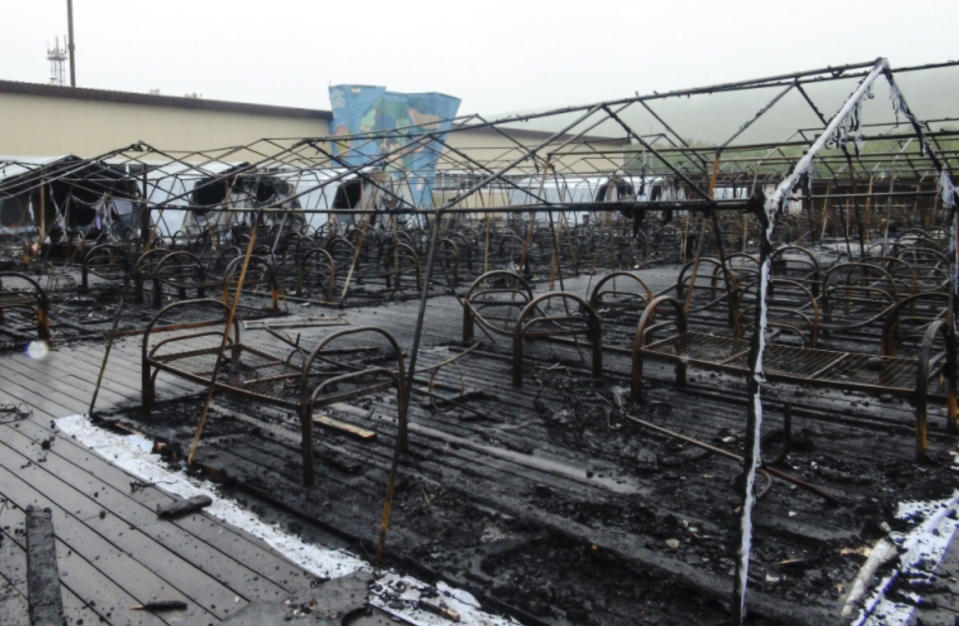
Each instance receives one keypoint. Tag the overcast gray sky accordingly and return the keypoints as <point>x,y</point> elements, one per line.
<point>496,56</point>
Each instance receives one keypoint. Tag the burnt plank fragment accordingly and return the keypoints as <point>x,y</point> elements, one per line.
<point>43,577</point>
<point>331,602</point>
<point>180,508</point>
<point>161,605</point>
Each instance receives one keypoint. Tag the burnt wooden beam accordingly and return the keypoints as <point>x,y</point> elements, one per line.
<point>43,577</point>
<point>182,507</point>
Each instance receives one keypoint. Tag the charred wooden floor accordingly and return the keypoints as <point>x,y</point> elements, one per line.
<point>553,503</point>
<point>113,551</point>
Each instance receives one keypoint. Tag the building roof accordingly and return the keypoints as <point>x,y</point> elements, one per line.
<point>128,97</point>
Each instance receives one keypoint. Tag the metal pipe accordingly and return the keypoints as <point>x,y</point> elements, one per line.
<point>711,149</point>
<point>819,491</point>
<point>106,355</point>
<point>758,115</point>
<point>231,316</point>
<point>70,44</point>
<point>686,147</point>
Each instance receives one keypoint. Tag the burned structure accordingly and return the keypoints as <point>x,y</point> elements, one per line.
<point>605,374</point>
<point>69,199</point>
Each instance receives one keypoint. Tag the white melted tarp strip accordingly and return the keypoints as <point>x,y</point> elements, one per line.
<point>947,189</point>
<point>394,593</point>
<point>773,204</point>
<point>749,501</point>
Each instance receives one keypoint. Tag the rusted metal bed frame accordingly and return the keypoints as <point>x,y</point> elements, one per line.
<point>502,302</point>
<point>185,271</point>
<point>144,268</point>
<point>494,301</point>
<point>570,316</point>
<point>315,258</point>
<point>109,260</point>
<point>619,299</point>
<point>32,297</point>
<point>315,386</point>
<point>908,377</point>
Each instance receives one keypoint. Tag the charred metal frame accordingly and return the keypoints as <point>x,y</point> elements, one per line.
<point>598,142</point>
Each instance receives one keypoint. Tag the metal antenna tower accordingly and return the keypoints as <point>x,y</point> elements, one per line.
<point>57,57</point>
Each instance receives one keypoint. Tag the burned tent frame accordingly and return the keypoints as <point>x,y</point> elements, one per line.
<point>842,129</point>
<point>238,192</point>
<point>70,197</point>
<point>854,148</point>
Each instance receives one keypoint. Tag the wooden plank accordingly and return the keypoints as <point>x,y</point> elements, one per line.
<point>34,413</point>
<point>249,569</point>
<point>351,429</point>
<point>13,605</point>
<point>126,373</point>
<point>13,571</point>
<point>104,596</point>
<point>53,403</point>
<point>43,578</point>
<point>71,393</point>
<point>62,376</point>
<point>136,530</point>
<point>122,374</point>
<point>119,551</point>
<point>123,367</point>
<point>13,574</point>
<point>251,559</point>
<point>79,366</point>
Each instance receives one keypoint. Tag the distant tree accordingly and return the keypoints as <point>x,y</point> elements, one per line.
<point>193,94</point>
<point>155,91</point>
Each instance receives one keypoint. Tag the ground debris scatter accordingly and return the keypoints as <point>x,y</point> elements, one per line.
<point>556,507</point>
<point>582,367</point>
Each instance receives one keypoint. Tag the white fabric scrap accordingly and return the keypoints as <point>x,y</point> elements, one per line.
<point>947,189</point>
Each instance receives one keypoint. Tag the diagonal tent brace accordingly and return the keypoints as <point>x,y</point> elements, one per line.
<point>231,316</point>
<point>947,190</point>
<point>773,206</point>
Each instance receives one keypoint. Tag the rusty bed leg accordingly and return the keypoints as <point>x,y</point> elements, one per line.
<point>922,445</point>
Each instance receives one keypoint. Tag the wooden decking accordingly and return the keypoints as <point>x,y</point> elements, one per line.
<point>113,551</point>
<point>520,466</point>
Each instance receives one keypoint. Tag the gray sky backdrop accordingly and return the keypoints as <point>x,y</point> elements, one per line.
<point>497,56</point>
